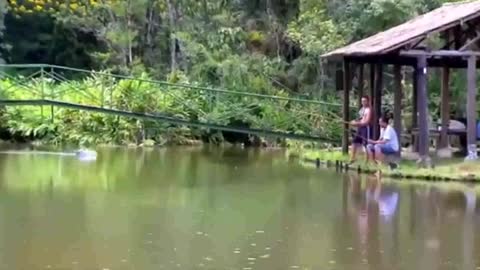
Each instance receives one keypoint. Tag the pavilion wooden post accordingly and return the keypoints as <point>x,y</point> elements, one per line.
<point>346,104</point>
<point>373,122</point>
<point>360,84</point>
<point>377,99</point>
<point>445,108</point>
<point>472,108</point>
<point>415,108</point>
<point>372,82</point>
<point>397,103</point>
<point>423,140</point>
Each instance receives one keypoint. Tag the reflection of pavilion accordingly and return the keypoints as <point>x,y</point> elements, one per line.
<point>443,224</point>
<point>429,228</point>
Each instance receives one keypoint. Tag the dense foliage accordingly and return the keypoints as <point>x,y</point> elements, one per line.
<point>143,95</point>
<point>262,46</point>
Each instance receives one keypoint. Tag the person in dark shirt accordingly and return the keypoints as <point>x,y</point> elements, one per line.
<point>362,123</point>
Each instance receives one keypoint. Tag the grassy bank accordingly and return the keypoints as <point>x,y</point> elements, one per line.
<point>444,170</point>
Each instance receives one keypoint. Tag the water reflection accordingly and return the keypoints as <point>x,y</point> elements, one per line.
<point>209,208</point>
<point>373,198</point>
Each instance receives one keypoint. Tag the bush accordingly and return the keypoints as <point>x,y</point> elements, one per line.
<point>68,126</point>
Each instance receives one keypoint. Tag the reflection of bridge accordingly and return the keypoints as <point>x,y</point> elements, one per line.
<point>282,116</point>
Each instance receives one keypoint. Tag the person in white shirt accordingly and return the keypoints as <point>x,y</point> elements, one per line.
<point>387,144</point>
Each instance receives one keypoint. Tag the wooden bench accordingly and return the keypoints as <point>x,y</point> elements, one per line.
<point>435,135</point>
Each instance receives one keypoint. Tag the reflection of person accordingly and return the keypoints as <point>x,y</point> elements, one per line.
<point>375,196</point>
<point>363,128</point>
<point>471,200</point>
<point>387,143</point>
<point>384,198</point>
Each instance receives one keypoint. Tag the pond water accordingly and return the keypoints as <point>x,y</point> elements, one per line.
<point>208,208</point>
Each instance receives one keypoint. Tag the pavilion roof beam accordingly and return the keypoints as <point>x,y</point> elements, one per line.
<point>471,42</point>
<point>438,53</point>
<point>437,61</point>
<point>416,42</point>
<point>473,32</point>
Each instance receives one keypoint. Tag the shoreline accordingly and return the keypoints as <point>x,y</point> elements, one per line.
<point>189,143</point>
<point>333,160</point>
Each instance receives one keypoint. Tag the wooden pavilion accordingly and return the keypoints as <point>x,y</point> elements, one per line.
<point>446,38</point>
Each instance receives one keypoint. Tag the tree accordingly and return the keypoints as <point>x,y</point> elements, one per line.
<point>3,11</point>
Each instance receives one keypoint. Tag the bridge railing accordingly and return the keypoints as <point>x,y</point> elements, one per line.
<point>281,112</point>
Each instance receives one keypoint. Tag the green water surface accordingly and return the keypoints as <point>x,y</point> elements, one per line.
<point>211,208</point>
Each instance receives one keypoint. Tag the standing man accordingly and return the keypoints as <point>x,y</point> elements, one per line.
<point>387,144</point>
<point>363,128</point>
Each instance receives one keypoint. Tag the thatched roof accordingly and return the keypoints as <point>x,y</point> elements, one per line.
<point>438,20</point>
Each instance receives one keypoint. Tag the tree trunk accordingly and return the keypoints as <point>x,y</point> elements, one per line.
<point>173,42</point>
<point>149,52</point>
<point>273,24</point>
<point>129,37</point>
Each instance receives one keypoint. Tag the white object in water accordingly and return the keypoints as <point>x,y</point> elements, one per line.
<point>84,154</point>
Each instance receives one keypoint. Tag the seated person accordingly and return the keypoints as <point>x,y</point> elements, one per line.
<point>387,144</point>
